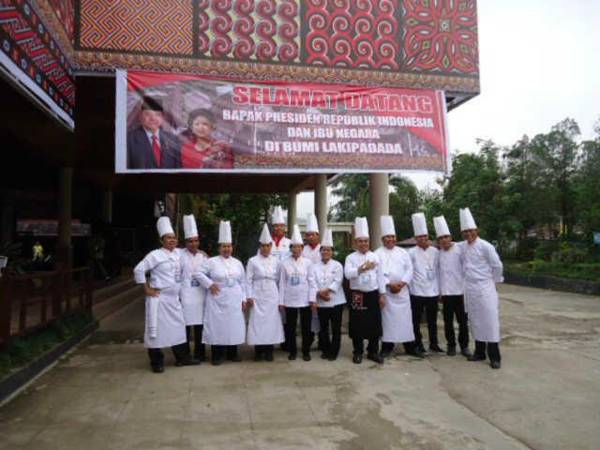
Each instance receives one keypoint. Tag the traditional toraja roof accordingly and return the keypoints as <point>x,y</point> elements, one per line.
<point>408,43</point>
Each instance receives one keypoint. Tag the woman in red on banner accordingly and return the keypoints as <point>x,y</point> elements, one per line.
<point>200,150</point>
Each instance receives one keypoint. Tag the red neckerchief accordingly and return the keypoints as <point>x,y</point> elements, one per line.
<point>313,246</point>
<point>277,240</point>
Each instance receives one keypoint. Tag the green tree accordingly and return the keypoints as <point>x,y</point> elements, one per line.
<point>353,193</point>
<point>404,200</point>
<point>587,185</point>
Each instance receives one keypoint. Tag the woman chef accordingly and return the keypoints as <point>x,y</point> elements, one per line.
<point>192,293</point>
<point>224,277</point>
<point>165,324</point>
<point>262,275</point>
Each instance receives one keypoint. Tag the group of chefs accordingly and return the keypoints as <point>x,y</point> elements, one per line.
<point>194,299</point>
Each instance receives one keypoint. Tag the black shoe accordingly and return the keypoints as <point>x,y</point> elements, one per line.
<point>436,349</point>
<point>200,357</point>
<point>357,359</point>
<point>466,352</point>
<point>292,356</point>
<point>420,348</point>
<point>258,357</point>
<point>269,357</point>
<point>324,355</point>
<point>375,358</point>
<point>385,354</point>
<point>451,351</point>
<point>158,369</point>
<point>417,353</point>
<point>476,357</point>
<point>187,362</point>
<point>234,358</point>
<point>331,357</point>
<point>216,362</point>
<point>306,357</point>
<point>495,364</point>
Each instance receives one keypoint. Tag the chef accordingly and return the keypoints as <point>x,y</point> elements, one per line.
<point>225,279</point>
<point>262,275</point>
<point>424,286</point>
<point>192,293</point>
<point>325,280</point>
<point>452,282</point>
<point>367,286</point>
<point>483,269</point>
<point>396,317</point>
<point>312,252</point>
<point>281,244</point>
<point>165,323</point>
<point>294,297</point>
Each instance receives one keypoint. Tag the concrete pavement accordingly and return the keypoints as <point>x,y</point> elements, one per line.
<point>546,396</point>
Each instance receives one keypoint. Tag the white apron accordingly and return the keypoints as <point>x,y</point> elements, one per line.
<point>165,325</point>
<point>192,300</point>
<point>264,326</point>
<point>481,304</point>
<point>224,322</point>
<point>396,317</point>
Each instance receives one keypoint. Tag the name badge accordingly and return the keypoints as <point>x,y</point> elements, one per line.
<point>430,275</point>
<point>365,278</point>
<point>295,280</point>
<point>230,282</point>
<point>177,278</point>
<point>195,283</point>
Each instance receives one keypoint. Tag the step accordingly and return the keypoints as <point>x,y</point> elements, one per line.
<point>115,302</point>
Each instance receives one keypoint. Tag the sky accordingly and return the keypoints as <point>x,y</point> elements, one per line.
<point>539,63</point>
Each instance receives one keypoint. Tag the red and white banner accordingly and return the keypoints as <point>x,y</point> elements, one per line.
<point>169,122</point>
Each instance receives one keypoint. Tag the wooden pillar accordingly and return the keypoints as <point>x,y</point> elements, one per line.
<point>64,256</point>
<point>292,210</point>
<point>321,205</point>
<point>379,204</point>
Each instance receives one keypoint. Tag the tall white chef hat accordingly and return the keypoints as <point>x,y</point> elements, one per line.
<point>327,240</point>
<point>296,236</point>
<point>265,235</point>
<point>312,226</point>
<point>441,226</point>
<point>189,227</point>
<point>163,225</point>
<point>466,220</point>
<point>361,228</point>
<point>419,224</point>
<point>277,216</point>
<point>387,226</point>
<point>225,232</point>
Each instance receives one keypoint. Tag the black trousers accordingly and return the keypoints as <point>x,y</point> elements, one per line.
<point>430,306</point>
<point>389,346</point>
<point>330,336</point>
<point>195,332</point>
<point>358,346</point>
<point>291,320</point>
<point>180,352</point>
<point>217,352</point>
<point>454,305</point>
<point>493,350</point>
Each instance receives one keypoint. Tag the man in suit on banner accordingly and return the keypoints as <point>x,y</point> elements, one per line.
<point>149,146</point>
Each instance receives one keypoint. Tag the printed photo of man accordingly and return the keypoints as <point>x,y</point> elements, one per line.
<point>149,145</point>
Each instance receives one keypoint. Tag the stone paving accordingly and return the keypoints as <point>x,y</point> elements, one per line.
<point>546,396</point>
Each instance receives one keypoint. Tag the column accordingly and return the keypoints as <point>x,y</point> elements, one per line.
<point>65,201</point>
<point>379,204</point>
<point>107,206</point>
<point>292,212</point>
<point>321,205</point>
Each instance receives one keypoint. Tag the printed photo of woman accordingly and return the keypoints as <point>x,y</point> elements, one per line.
<point>200,150</point>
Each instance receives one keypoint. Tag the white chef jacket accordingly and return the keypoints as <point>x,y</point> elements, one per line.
<point>293,282</point>
<point>481,262</point>
<point>165,323</point>
<point>192,293</point>
<point>281,251</point>
<point>313,254</point>
<point>370,280</point>
<point>264,324</point>
<point>425,281</point>
<point>452,278</point>
<point>483,269</point>
<point>327,276</point>
<point>224,322</point>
